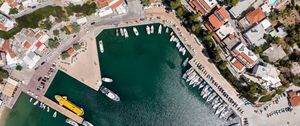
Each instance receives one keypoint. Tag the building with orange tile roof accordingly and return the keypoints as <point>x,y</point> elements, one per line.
<point>294,98</point>
<point>238,65</point>
<point>244,55</point>
<point>203,7</point>
<point>252,18</point>
<point>12,3</point>
<point>70,51</point>
<point>217,19</point>
<point>107,7</point>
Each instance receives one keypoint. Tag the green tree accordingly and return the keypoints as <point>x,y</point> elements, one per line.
<point>232,3</point>
<point>19,68</point>
<point>56,32</point>
<point>223,65</point>
<point>175,4</point>
<point>75,27</point>
<point>195,18</point>
<point>76,46</point>
<point>196,28</point>
<point>53,43</point>
<point>13,11</point>
<point>64,55</point>
<point>46,24</point>
<point>3,74</point>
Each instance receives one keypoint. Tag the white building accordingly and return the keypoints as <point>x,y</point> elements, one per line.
<point>255,36</point>
<point>5,8</point>
<point>269,74</point>
<point>5,23</point>
<point>107,7</point>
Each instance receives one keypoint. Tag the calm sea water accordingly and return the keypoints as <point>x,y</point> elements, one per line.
<point>146,72</point>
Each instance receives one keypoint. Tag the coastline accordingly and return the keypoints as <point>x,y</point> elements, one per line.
<point>3,115</point>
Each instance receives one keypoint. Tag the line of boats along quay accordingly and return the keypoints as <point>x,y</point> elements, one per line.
<point>221,107</point>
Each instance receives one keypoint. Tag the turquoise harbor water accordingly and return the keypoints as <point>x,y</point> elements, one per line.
<point>147,76</point>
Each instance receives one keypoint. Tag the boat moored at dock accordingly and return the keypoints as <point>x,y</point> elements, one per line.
<point>125,33</point>
<point>122,32</point>
<point>159,29</point>
<point>148,30</point>
<point>107,80</point>
<point>86,123</point>
<point>71,122</point>
<point>152,29</point>
<point>136,32</point>
<point>62,100</point>
<point>109,93</point>
<point>220,108</point>
<point>211,96</point>
<point>204,90</point>
<point>101,46</point>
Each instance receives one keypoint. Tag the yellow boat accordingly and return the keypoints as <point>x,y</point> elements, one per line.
<point>64,102</point>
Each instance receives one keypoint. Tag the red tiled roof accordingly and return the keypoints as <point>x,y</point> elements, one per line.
<point>12,3</point>
<point>247,58</point>
<point>3,28</point>
<point>27,44</point>
<point>238,64</point>
<point>6,47</point>
<point>115,5</point>
<point>294,99</point>
<point>216,38</point>
<point>39,35</point>
<point>223,13</point>
<point>70,51</point>
<point>231,36</point>
<point>215,23</point>
<point>255,16</point>
<point>197,7</point>
<point>101,3</point>
<point>205,5</point>
<point>38,44</point>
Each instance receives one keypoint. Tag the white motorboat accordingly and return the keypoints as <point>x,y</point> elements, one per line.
<point>101,46</point>
<point>178,45</point>
<point>224,112</point>
<point>136,32</point>
<point>148,30</point>
<point>189,71</point>
<point>122,32</point>
<point>152,29</point>
<point>117,32</point>
<point>183,51</point>
<point>54,114</point>
<point>171,33</point>
<point>215,101</point>
<point>71,122</point>
<point>184,76</point>
<point>211,97</point>
<point>172,38</point>
<point>210,90</point>
<point>126,33</point>
<point>220,101</point>
<point>220,108</point>
<point>167,30</point>
<point>194,80</point>
<point>202,84</point>
<point>109,94</point>
<point>159,29</point>
<point>107,80</point>
<point>48,109</point>
<point>185,62</point>
<point>30,100</point>
<point>198,82</point>
<point>204,90</point>
<point>191,76</point>
<point>86,123</point>
<point>36,102</point>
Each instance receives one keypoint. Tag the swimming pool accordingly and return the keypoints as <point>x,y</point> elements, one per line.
<point>273,1</point>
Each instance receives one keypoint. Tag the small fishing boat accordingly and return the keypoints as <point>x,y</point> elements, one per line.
<point>36,102</point>
<point>48,109</point>
<point>117,32</point>
<point>122,32</point>
<point>54,114</point>
<point>109,94</point>
<point>126,33</point>
<point>167,30</point>
<point>136,32</point>
<point>172,38</point>
<point>159,29</point>
<point>30,100</point>
<point>107,80</point>
<point>101,46</point>
<point>152,29</point>
<point>148,30</point>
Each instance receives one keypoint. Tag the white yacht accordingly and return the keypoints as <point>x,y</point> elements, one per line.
<point>36,102</point>
<point>178,45</point>
<point>215,101</point>
<point>126,33</point>
<point>211,97</point>
<point>185,62</point>
<point>30,100</point>
<point>224,112</point>
<point>159,29</point>
<point>122,32</point>
<point>202,84</point>
<point>220,108</point>
<point>136,32</point>
<point>48,109</point>
<point>71,122</point>
<point>194,80</point>
<point>191,76</point>
<point>204,90</point>
<point>198,82</point>
<point>148,30</point>
<point>210,90</point>
<point>152,29</point>
<point>172,38</point>
<point>220,101</point>
<point>183,51</point>
<point>101,46</point>
<point>107,80</point>
<point>117,32</point>
<point>109,94</point>
<point>167,30</point>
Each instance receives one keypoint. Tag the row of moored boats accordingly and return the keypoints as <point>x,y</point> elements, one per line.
<point>207,93</point>
<point>180,47</point>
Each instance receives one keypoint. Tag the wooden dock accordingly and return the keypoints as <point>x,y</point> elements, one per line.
<point>61,109</point>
